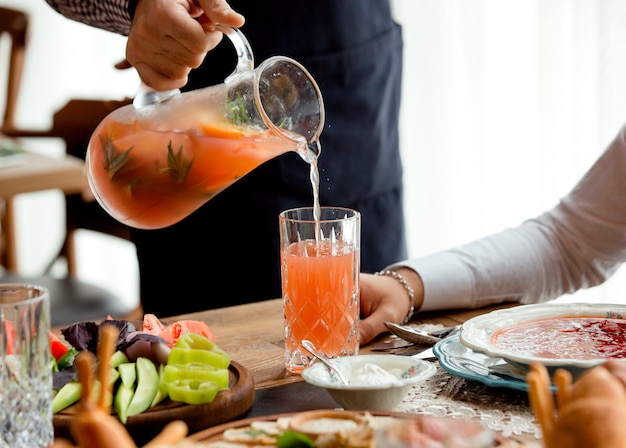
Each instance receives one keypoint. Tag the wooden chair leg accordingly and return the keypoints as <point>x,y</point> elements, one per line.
<point>10,236</point>
<point>70,253</point>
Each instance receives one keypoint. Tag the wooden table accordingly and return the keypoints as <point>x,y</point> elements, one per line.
<point>39,172</point>
<point>253,335</point>
<point>36,173</point>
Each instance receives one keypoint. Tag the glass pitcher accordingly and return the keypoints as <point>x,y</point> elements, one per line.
<point>152,163</point>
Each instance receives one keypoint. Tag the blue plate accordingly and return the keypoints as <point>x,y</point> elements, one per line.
<point>462,361</point>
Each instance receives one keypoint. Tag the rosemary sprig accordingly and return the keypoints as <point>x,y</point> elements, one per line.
<point>115,158</point>
<point>236,111</point>
<point>177,164</point>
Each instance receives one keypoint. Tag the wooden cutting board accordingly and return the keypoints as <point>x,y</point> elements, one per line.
<point>214,434</point>
<point>228,405</point>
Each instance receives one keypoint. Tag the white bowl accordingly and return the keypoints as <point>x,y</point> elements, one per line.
<point>479,334</point>
<point>357,395</point>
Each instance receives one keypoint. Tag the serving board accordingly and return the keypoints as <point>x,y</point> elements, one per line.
<point>214,434</point>
<point>227,406</point>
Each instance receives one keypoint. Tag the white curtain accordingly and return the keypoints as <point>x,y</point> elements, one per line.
<point>506,104</point>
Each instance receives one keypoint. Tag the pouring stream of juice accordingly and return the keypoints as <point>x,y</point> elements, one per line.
<point>315,182</point>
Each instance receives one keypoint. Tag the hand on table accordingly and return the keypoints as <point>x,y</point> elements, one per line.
<point>384,299</point>
<point>168,38</point>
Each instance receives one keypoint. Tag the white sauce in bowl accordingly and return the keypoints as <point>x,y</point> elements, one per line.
<point>371,374</point>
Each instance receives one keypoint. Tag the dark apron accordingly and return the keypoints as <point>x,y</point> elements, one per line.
<point>227,252</point>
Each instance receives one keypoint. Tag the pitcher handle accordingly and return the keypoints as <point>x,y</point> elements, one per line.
<point>245,63</point>
<point>245,59</point>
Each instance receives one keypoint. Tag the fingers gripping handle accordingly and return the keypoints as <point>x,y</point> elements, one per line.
<point>245,63</point>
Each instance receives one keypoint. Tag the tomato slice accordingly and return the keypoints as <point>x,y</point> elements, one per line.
<point>172,332</point>
<point>152,324</point>
<point>57,347</point>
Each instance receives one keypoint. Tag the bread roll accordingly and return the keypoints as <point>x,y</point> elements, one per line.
<point>600,383</point>
<point>617,368</point>
<point>594,415</point>
<point>590,423</point>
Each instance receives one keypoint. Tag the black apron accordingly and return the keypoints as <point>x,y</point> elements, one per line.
<point>227,252</point>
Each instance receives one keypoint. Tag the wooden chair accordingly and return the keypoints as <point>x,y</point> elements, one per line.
<point>72,299</point>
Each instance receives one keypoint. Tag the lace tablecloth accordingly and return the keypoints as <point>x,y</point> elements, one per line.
<point>503,410</point>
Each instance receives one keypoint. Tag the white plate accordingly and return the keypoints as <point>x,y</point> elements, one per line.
<point>457,359</point>
<point>477,333</point>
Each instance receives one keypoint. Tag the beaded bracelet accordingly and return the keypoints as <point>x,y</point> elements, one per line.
<point>407,288</point>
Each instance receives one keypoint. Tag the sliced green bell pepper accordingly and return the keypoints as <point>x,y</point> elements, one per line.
<point>195,340</point>
<point>197,371</point>
<point>192,391</point>
<point>180,355</point>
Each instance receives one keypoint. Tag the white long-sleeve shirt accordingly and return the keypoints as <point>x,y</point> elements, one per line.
<point>578,244</point>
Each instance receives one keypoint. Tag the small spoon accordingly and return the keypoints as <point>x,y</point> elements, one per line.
<point>416,336</point>
<point>308,345</point>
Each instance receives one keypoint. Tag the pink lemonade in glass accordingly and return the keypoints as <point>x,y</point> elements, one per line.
<point>321,303</point>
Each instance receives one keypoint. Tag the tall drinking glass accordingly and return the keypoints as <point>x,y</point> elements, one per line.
<point>25,369</point>
<point>320,261</point>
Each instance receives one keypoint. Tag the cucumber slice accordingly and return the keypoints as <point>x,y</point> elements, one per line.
<point>147,387</point>
<point>118,358</point>
<point>122,400</point>
<point>128,373</point>
<point>162,391</point>
<point>66,396</point>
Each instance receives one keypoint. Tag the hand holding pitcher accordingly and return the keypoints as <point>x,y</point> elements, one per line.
<point>152,163</point>
<point>164,55</point>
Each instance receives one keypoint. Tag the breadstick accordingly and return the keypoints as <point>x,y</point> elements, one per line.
<point>92,427</point>
<point>541,402</point>
<point>83,364</point>
<point>543,372</point>
<point>563,382</point>
<point>173,433</point>
<point>106,347</point>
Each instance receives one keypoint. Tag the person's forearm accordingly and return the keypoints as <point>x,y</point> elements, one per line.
<point>110,15</point>
<point>578,244</point>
